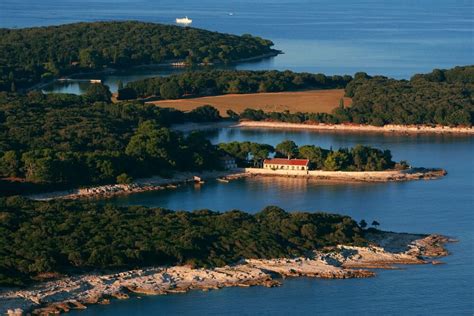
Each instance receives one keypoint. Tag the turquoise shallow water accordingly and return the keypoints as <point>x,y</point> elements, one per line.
<point>393,38</point>
<point>442,206</point>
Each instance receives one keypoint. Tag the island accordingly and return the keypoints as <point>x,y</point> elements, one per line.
<point>32,56</point>
<point>136,250</point>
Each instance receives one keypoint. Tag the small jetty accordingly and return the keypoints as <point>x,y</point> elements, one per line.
<point>179,64</point>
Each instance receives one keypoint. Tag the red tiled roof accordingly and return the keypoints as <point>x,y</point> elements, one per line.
<point>283,161</point>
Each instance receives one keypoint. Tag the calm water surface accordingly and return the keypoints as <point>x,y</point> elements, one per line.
<point>394,37</point>
<point>439,206</point>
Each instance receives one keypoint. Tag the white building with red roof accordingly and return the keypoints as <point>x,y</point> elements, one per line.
<point>286,164</point>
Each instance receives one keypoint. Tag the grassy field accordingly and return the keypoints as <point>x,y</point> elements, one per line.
<point>302,101</point>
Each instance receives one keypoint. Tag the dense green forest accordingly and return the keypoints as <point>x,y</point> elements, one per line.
<point>31,54</point>
<point>443,97</point>
<point>72,237</point>
<point>69,139</point>
<point>216,82</point>
<point>72,140</point>
<point>358,158</point>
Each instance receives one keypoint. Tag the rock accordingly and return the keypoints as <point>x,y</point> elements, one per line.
<point>340,262</point>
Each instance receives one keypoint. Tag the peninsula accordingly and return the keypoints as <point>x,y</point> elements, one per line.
<point>441,98</point>
<point>106,148</point>
<point>203,250</point>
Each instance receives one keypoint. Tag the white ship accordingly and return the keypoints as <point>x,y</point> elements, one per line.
<point>184,21</point>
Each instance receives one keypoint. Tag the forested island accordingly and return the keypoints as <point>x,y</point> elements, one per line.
<point>77,254</point>
<point>72,237</point>
<point>443,97</point>
<point>30,55</point>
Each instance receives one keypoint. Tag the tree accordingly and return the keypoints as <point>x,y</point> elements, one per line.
<point>10,164</point>
<point>98,92</point>
<point>337,160</point>
<point>151,142</point>
<point>170,90</point>
<point>90,58</point>
<point>232,115</point>
<point>124,178</point>
<point>287,148</point>
<point>363,224</point>
<point>316,155</point>
<point>39,166</point>
<point>205,113</point>
<point>341,103</point>
<point>260,152</point>
<point>375,223</point>
<point>126,94</point>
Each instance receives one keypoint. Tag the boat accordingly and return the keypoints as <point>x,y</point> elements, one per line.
<point>224,180</point>
<point>184,21</point>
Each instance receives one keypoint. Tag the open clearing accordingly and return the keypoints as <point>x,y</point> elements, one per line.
<point>301,101</point>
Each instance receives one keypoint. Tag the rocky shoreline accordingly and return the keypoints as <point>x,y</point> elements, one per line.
<point>183,178</point>
<point>76,292</point>
<point>155,183</point>
<point>353,176</point>
<point>389,128</point>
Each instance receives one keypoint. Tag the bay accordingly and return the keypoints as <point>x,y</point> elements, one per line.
<point>443,206</point>
<point>393,38</point>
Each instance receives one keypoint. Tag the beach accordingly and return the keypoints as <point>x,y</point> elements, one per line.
<point>389,128</point>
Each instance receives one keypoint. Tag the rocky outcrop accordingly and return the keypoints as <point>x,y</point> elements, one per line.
<point>140,185</point>
<point>339,262</point>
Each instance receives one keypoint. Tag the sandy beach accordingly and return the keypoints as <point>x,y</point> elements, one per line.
<point>359,128</point>
<point>344,261</point>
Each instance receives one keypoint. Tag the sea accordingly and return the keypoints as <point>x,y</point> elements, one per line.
<point>391,38</point>
<point>384,37</point>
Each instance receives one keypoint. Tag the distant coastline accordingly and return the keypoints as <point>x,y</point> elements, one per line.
<point>169,64</point>
<point>342,262</point>
<point>389,128</point>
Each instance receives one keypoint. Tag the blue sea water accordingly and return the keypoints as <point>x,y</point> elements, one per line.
<point>393,38</point>
<point>443,206</point>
